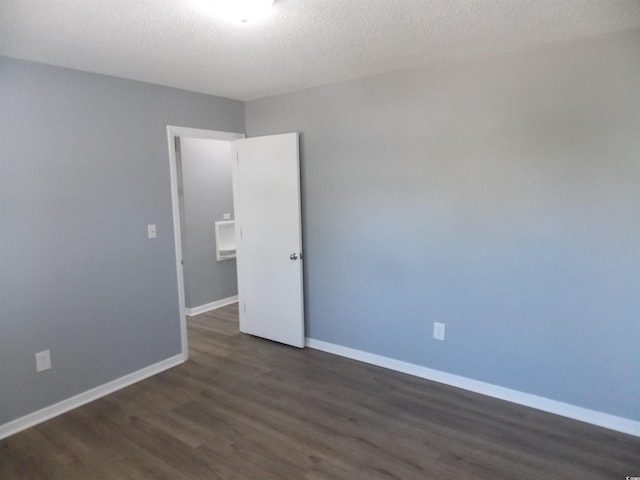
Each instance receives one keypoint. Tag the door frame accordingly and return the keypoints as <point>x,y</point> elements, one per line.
<point>172,132</point>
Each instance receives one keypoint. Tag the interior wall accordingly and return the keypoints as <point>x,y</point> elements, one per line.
<point>206,195</point>
<point>500,197</point>
<point>83,169</point>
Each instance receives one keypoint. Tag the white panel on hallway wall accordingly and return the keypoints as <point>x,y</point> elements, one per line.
<point>225,240</point>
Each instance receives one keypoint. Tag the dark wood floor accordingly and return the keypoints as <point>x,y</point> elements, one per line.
<point>245,408</point>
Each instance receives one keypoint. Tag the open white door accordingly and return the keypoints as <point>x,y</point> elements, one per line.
<point>268,238</point>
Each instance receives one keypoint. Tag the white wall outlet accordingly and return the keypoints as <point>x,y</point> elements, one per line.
<point>226,216</point>
<point>43,361</point>
<point>438,330</point>
<point>151,230</point>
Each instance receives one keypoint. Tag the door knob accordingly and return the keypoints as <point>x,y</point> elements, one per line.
<point>293,256</point>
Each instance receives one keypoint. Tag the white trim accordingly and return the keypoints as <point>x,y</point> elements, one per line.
<point>210,306</point>
<point>619,424</point>
<point>172,132</point>
<point>236,215</point>
<point>76,401</point>
<point>203,133</point>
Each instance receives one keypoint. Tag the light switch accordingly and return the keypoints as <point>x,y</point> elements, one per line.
<point>438,330</point>
<point>151,230</point>
<point>226,216</point>
<point>43,361</point>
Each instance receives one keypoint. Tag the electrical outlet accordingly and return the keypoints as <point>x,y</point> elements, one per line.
<point>151,231</point>
<point>43,361</point>
<point>438,330</point>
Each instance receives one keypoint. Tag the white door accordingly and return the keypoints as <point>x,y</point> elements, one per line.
<point>268,238</point>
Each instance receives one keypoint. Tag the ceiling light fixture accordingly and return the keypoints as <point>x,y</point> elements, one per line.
<point>243,11</point>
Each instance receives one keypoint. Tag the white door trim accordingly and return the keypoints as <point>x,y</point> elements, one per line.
<point>172,132</point>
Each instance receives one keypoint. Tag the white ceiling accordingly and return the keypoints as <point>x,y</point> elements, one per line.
<point>301,43</point>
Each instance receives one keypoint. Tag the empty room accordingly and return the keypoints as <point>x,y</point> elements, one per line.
<point>319,239</point>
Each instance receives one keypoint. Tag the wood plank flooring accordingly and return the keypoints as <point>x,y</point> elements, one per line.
<point>245,408</point>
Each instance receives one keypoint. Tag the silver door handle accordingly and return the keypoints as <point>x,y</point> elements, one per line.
<point>293,256</point>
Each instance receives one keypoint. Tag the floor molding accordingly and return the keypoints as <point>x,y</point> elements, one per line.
<point>76,401</point>
<point>210,306</point>
<point>612,422</point>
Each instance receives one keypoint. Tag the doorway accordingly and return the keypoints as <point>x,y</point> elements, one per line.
<point>193,137</point>
<point>268,232</point>
<point>207,223</point>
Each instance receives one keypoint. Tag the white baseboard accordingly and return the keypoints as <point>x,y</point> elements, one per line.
<point>210,306</point>
<point>76,401</point>
<point>612,422</point>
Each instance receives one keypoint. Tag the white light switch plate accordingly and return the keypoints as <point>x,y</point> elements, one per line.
<point>438,330</point>
<point>226,216</point>
<point>151,230</point>
<point>43,361</point>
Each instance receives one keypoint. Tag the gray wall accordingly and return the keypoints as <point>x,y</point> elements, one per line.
<point>83,169</point>
<point>207,194</point>
<point>501,197</point>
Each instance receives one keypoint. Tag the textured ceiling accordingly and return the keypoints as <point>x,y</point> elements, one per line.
<point>301,43</point>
